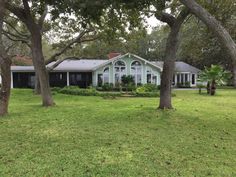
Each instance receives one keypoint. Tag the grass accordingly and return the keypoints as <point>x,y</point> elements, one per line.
<point>92,136</point>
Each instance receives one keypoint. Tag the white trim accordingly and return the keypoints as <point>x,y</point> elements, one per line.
<point>147,62</point>
<point>121,56</point>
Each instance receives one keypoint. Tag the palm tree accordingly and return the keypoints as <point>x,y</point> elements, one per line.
<point>215,75</point>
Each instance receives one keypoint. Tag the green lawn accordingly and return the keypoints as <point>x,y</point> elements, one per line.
<point>92,136</point>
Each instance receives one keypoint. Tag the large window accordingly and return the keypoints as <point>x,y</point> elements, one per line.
<point>136,72</point>
<point>58,79</point>
<point>82,79</point>
<point>151,77</point>
<point>120,70</point>
<point>193,79</point>
<point>99,79</point>
<point>106,75</point>
<point>23,80</point>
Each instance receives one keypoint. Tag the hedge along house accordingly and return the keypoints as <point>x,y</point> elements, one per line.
<point>95,72</point>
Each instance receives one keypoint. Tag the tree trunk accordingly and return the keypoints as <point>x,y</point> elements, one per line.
<point>168,68</point>
<point>6,85</point>
<point>234,75</point>
<point>213,87</point>
<point>35,29</point>
<point>40,68</point>
<point>208,87</point>
<point>221,33</point>
<point>37,90</point>
<point>200,90</point>
<point>5,68</point>
<point>169,61</point>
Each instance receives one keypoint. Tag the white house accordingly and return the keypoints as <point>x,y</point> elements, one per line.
<point>95,72</point>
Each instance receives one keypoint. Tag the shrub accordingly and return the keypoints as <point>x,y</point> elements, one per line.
<point>73,90</point>
<point>183,85</point>
<point>127,80</point>
<point>147,88</point>
<point>141,89</point>
<point>107,87</point>
<point>131,87</point>
<point>55,89</point>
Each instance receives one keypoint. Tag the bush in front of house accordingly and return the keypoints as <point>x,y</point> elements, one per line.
<point>107,87</point>
<point>128,82</point>
<point>74,90</point>
<point>148,88</point>
<point>55,89</point>
<point>183,85</point>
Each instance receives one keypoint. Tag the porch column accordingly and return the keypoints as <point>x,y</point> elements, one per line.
<point>67,79</point>
<point>12,80</point>
<point>175,79</point>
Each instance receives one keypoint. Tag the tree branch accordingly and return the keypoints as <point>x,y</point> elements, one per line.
<point>54,65</point>
<point>77,40</point>
<point>165,17</point>
<point>26,6</point>
<point>17,31</point>
<point>182,15</point>
<point>9,47</point>
<point>17,11</point>
<point>14,35</point>
<point>16,40</point>
<point>162,16</point>
<point>43,16</point>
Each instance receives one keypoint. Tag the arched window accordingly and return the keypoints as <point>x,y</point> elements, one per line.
<point>106,75</point>
<point>136,72</point>
<point>120,70</point>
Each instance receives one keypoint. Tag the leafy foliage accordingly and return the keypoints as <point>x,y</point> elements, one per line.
<point>147,88</point>
<point>216,73</point>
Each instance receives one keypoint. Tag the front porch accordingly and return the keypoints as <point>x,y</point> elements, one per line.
<point>184,79</point>
<point>56,79</point>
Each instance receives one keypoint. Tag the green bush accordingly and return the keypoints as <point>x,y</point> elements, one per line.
<point>73,90</point>
<point>148,88</point>
<point>183,85</point>
<point>131,87</point>
<point>56,89</point>
<point>141,89</point>
<point>107,87</point>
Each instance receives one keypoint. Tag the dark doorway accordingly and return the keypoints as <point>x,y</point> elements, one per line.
<point>23,80</point>
<point>83,80</point>
<point>57,79</point>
